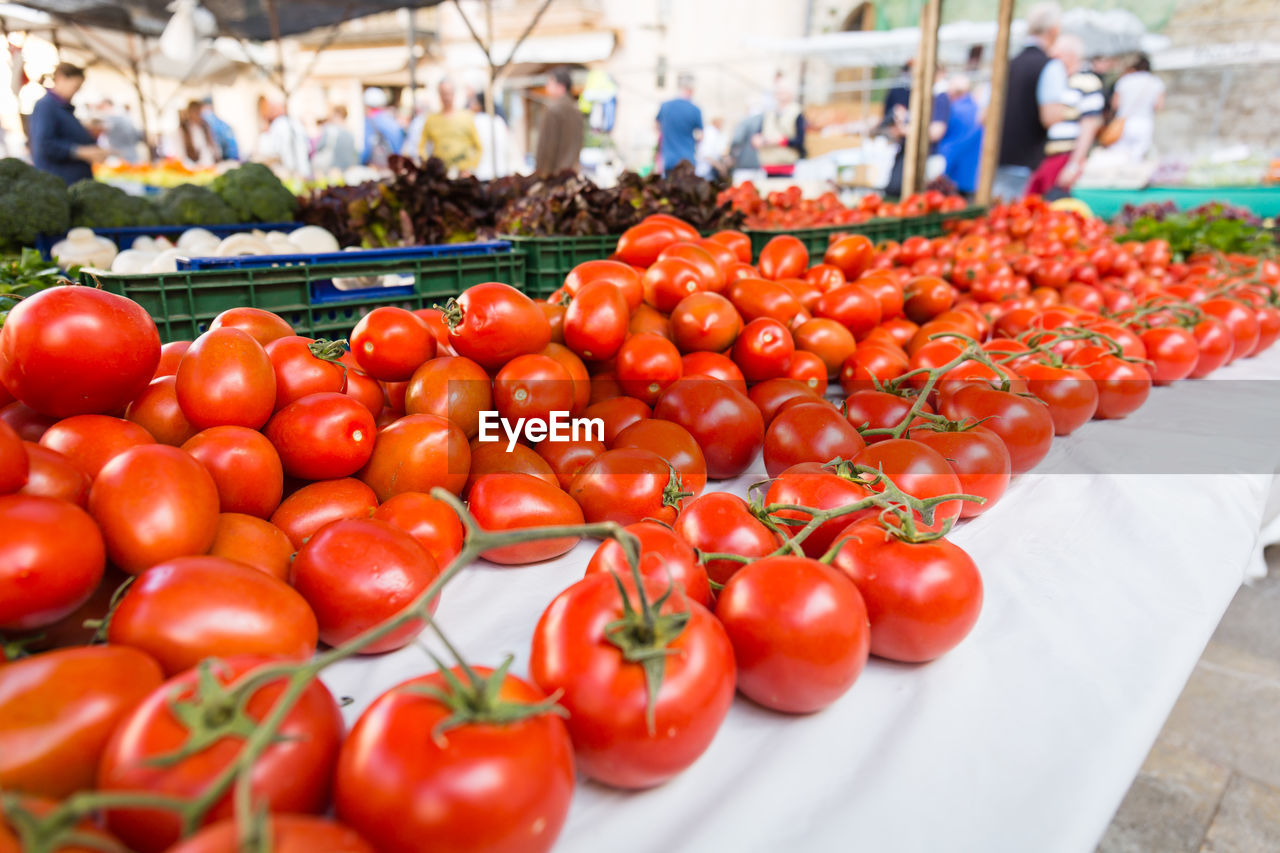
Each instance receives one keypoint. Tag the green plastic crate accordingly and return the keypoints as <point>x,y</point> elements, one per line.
<point>817,239</point>
<point>184,303</point>
<point>935,224</point>
<point>547,260</point>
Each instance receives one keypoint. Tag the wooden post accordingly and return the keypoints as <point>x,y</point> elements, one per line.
<point>922,74</point>
<point>994,123</point>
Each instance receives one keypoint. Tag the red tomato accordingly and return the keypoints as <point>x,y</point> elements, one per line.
<point>738,243</point>
<point>772,394</point>
<point>57,710</point>
<point>1173,351</point>
<point>77,350</point>
<point>869,409</point>
<point>493,323</point>
<point>852,255</point>
<point>673,443</point>
<point>648,319</point>
<point>263,326</point>
<point>292,775</point>
<point>1268,328</point>
<point>1025,426</point>
<point>927,297</point>
<point>825,277</point>
<point>809,369</point>
<point>416,454</point>
<point>514,501</point>
<point>647,365</point>
<point>226,379</point>
<point>25,421</point>
<point>710,272</point>
<point>1240,321</point>
<point>408,773</point>
<point>154,503</point>
<point>357,574</point>
<point>726,424</point>
<point>1123,386</point>
<point>757,298</point>
<point>669,280</point>
<point>595,324</point>
<point>922,599</point>
<point>1070,394</point>
<point>531,387</point>
<point>313,506</point>
<point>979,459</point>
<point>617,739</point>
<point>722,523</point>
<point>52,475</point>
<point>664,557</point>
<point>170,356</point>
<point>253,541</point>
<point>300,369</point>
<point>290,833</point>
<point>245,467</point>
<point>620,275</point>
<point>810,484</point>
<point>190,608</point>
<point>799,631</point>
<point>783,257</point>
<point>567,458</point>
<point>429,520</point>
<point>617,413</point>
<point>763,350</point>
<point>322,437</point>
<point>91,441</point>
<point>390,343</point>
<point>808,432</point>
<point>453,388</point>
<point>716,366</point>
<point>492,457</point>
<point>51,559</point>
<point>581,378</point>
<point>157,411</point>
<point>641,244</point>
<point>628,485</point>
<point>705,321</point>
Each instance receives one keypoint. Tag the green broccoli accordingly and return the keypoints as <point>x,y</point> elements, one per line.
<point>256,195</point>
<point>188,204</point>
<point>99,205</point>
<point>31,202</point>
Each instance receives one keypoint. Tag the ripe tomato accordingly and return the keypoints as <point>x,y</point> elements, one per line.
<point>726,424</point>
<point>628,485</point>
<point>664,557</point>
<point>869,409</point>
<point>577,369</point>
<point>416,454</point>
<point>91,441</point>
<point>1268,328</point>
<point>716,366</point>
<point>620,275</point>
<point>292,774</point>
<point>772,394</point>
<point>154,503</point>
<point>57,710</point>
<point>1173,351</point>
<point>641,244</point>
<point>607,695</point>
<point>763,349</point>
<point>300,370</point>
<point>1240,320</point>
<point>755,298</point>
<point>922,599</point>
<point>390,343</point>
<point>407,773</point>
<point>313,506</point>
<point>14,465</point>
<point>926,297</point>
<point>617,413</point>
<point>595,324</point>
<point>673,443</point>
<point>190,608</point>
<point>453,388</point>
<point>263,326</point>
<point>783,256</point>
<point>253,541</point>
<point>647,319</point>
<point>26,421</point>
<point>358,573</point>
<point>157,411</point>
<point>1217,345</point>
<point>979,459</point>
<point>853,306</point>
<point>1024,425</point>
<point>705,321</point>
<point>710,272</point>
<point>51,560</point>
<point>492,323</point>
<point>531,387</point>
<point>170,356</point>
<point>514,501</point>
<point>737,242</point>
<point>52,475</point>
<point>245,467</point>
<point>647,365</point>
<point>226,379</point>
<point>429,520</point>
<point>492,457</point>
<point>1123,386</point>
<point>808,432</point>
<point>322,436</point>
<point>809,369</point>
<point>567,458</point>
<point>811,485</point>
<point>1070,394</point>
<point>77,350</point>
<point>852,255</point>
<point>827,339</point>
<point>722,523</point>
<point>799,631</point>
<point>290,833</point>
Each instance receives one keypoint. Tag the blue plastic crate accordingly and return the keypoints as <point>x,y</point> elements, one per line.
<point>124,237</point>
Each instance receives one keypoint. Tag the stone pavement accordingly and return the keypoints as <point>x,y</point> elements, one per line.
<point>1211,783</point>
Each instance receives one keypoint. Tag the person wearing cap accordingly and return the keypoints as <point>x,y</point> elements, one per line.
<point>561,130</point>
<point>223,136</point>
<point>382,133</point>
<point>679,125</point>
<point>60,144</point>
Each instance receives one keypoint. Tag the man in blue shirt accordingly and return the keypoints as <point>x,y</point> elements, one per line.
<point>223,135</point>
<point>961,145</point>
<point>383,135</point>
<point>60,144</point>
<point>679,126</point>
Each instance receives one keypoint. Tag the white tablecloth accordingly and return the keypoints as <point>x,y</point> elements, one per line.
<point>1106,571</point>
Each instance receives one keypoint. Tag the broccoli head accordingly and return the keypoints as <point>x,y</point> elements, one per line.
<point>256,195</point>
<point>31,202</point>
<point>99,205</point>
<point>188,204</point>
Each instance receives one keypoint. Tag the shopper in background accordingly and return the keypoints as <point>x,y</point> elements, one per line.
<point>59,143</point>
<point>495,147</point>
<point>120,135</point>
<point>383,135</point>
<point>336,147</point>
<point>413,136</point>
<point>562,127</point>
<point>679,125</point>
<point>1072,136</point>
<point>284,142</point>
<point>1033,103</point>
<point>961,145</point>
<point>713,148</point>
<point>193,142</point>
<point>223,135</point>
<point>781,137</point>
<point>451,134</point>
<point>895,125</point>
<point>1138,95</point>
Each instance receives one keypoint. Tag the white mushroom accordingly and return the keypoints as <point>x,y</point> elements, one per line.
<point>144,244</point>
<point>83,248</point>
<point>132,261</point>
<point>242,244</point>
<point>314,240</point>
<point>196,237</point>
<point>166,261</point>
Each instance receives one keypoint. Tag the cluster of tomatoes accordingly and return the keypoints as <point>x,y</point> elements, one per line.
<point>265,493</point>
<point>783,209</point>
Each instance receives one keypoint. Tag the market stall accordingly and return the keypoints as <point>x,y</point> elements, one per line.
<point>1263,200</point>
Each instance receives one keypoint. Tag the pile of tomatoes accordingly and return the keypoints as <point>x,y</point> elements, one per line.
<point>783,209</point>
<point>264,494</point>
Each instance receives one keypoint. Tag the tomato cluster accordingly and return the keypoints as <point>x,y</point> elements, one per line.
<point>265,494</point>
<point>782,209</point>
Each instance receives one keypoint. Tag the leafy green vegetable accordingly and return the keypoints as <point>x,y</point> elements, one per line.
<point>188,204</point>
<point>98,205</point>
<point>25,274</point>
<point>255,194</point>
<point>31,202</point>
<point>1211,228</point>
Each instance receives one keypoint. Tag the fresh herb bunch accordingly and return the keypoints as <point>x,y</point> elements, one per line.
<point>24,274</point>
<point>1210,227</point>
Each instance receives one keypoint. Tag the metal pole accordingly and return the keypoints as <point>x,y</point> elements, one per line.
<point>994,124</point>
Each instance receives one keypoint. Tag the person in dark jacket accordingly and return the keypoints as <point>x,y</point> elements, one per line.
<point>60,144</point>
<point>1034,97</point>
<point>561,130</point>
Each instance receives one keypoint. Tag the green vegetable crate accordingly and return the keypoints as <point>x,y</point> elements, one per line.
<point>935,224</point>
<point>817,239</point>
<point>183,303</point>
<point>548,260</point>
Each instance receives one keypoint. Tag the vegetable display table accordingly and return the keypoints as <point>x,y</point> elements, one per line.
<point>1106,570</point>
<point>1262,200</point>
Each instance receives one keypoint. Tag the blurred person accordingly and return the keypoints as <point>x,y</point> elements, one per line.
<point>383,135</point>
<point>1138,95</point>
<point>743,153</point>
<point>336,148</point>
<point>1033,103</point>
<point>413,135</point>
<point>495,141</point>
<point>979,84</point>
<point>193,142</point>
<point>1071,137</point>
<point>451,134</point>
<point>896,125</point>
<point>781,136</point>
<point>562,127</point>
<point>223,135</point>
<point>120,135</point>
<point>284,142</point>
<point>713,148</point>
<point>679,125</point>
<point>59,143</point>
<point>899,94</point>
<point>961,145</point>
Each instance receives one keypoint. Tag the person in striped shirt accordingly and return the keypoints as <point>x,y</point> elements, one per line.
<point>1071,137</point>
